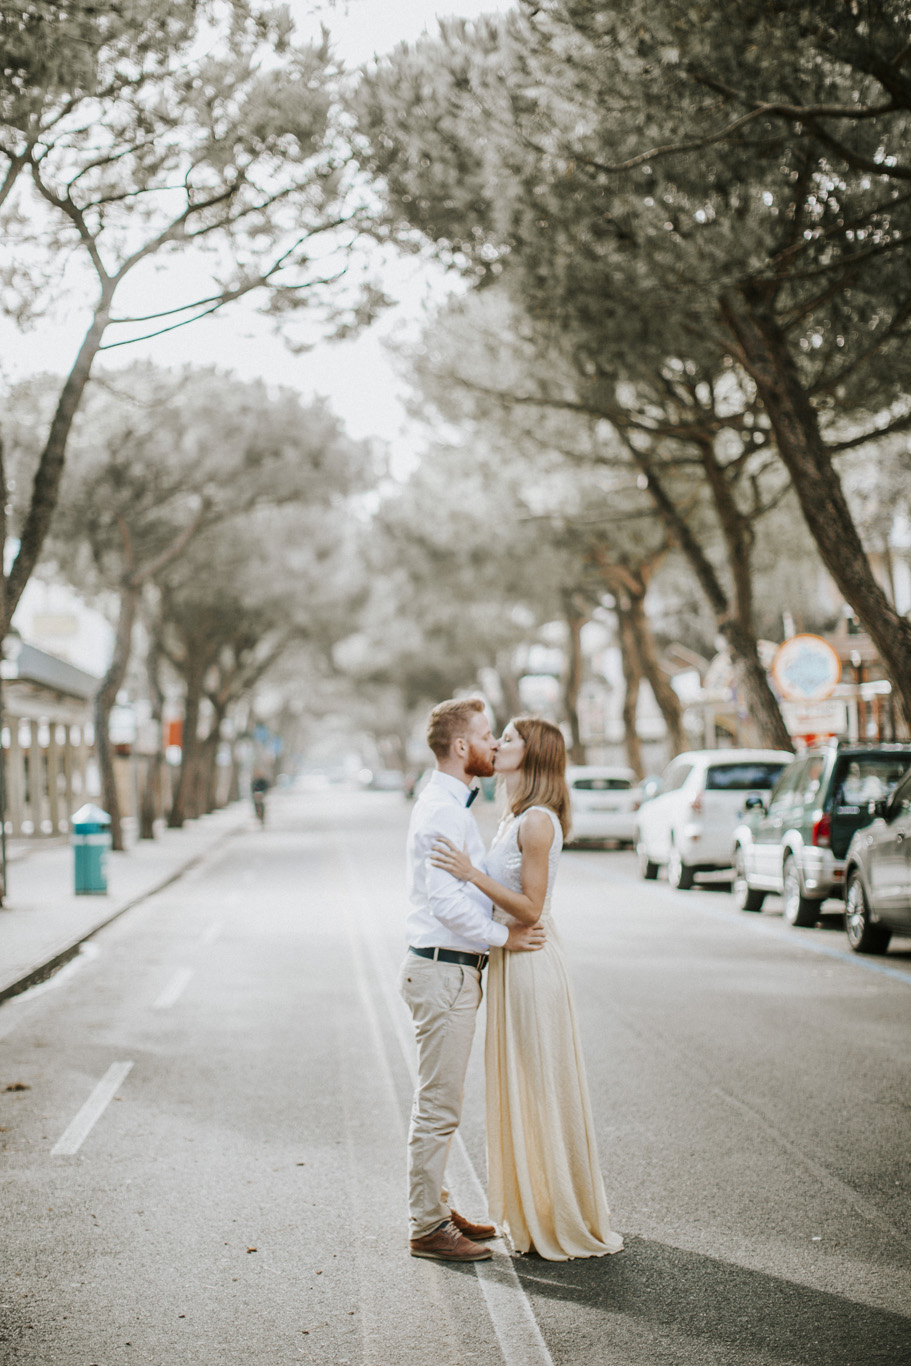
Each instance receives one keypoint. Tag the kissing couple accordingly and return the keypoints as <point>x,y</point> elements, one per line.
<point>470,909</point>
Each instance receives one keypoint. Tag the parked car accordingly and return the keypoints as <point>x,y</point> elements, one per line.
<point>878,874</point>
<point>604,802</point>
<point>796,842</point>
<point>689,823</point>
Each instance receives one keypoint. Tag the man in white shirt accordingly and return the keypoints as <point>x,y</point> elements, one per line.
<point>450,930</point>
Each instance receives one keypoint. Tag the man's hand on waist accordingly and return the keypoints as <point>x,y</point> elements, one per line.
<point>525,938</point>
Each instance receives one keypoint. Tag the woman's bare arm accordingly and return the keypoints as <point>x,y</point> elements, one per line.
<point>535,839</point>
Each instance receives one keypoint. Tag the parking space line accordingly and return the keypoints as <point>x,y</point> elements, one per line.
<point>794,937</point>
<point>79,1129</point>
<point>174,989</point>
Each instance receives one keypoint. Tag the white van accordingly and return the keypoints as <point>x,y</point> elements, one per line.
<point>688,825</point>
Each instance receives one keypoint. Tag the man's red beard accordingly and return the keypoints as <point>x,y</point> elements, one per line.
<point>478,765</point>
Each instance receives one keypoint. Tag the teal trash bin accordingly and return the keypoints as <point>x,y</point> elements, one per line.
<point>91,842</point>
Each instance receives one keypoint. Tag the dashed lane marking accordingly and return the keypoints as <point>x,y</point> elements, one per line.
<point>78,1131</point>
<point>174,989</point>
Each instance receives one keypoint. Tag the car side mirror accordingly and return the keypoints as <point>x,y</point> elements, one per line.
<point>878,808</point>
<point>754,803</point>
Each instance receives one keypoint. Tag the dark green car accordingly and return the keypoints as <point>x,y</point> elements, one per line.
<point>795,842</point>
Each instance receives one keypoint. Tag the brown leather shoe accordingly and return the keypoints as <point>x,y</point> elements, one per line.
<point>478,1233</point>
<point>446,1244</point>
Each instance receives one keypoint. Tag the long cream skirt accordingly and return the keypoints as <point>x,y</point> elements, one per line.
<point>544,1180</point>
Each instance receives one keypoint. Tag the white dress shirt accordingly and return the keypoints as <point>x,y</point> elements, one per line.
<point>446,913</point>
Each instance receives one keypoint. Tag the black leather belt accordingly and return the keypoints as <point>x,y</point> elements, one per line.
<point>471,960</point>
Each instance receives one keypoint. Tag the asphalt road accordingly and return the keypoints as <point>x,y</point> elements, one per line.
<point>207,1163</point>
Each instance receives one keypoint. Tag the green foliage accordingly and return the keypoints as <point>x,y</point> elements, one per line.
<point>155,451</point>
<point>622,166</point>
<point>68,50</point>
<point>179,127</point>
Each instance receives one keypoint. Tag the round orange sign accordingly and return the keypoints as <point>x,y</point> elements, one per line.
<point>806,669</point>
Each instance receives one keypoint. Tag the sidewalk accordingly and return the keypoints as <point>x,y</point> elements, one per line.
<point>44,922</point>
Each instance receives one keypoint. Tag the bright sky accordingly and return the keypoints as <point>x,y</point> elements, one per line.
<point>363,28</point>
<point>357,377</point>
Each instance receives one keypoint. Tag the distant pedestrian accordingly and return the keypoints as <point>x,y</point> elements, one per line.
<point>545,1182</point>
<point>258,789</point>
<point>450,931</point>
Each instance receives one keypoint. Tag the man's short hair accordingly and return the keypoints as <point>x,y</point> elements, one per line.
<point>450,720</point>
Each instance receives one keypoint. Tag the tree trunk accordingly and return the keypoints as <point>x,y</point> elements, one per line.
<point>509,684</point>
<point>210,764</point>
<point>181,805</point>
<point>752,678</point>
<point>46,483</point>
<point>150,797</point>
<point>234,784</point>
<point>738,626</point>
<point>204,801</point>
<point>151,804</point>
<point>632,678</point>
<point>105,698</point>
<point>572,682</point>
<point>668,702</point>
<point>762,349</point>
<point>735,622</point>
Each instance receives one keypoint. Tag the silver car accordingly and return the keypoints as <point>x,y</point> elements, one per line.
<point>878,874</point>
<point>689,824</point>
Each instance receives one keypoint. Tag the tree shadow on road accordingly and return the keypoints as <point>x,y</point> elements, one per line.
<point>662,1299</point>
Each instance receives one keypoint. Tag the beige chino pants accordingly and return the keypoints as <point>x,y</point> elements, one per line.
<point>443,999</point>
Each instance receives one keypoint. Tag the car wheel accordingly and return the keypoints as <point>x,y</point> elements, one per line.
<point>746,898</point>
<point>864,935</point>
<point>679,874</point>
<point>647,869</point>
<point>798,909</point>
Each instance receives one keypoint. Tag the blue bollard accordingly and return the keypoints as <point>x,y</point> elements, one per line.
<point>91,842</point>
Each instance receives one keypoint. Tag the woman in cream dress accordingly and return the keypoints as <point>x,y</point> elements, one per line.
<point>545,1183</point>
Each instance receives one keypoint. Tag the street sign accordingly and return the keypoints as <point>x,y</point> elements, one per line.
<point>806,669</point>
<point>815,718</point>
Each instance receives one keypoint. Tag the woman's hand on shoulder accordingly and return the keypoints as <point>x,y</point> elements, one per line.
<point>451,859</point>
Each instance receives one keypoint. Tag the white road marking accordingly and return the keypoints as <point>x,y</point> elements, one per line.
<point>511,1314</point>
<point>791,937</point>
<point>174,989</point>
<point>78,1131</point>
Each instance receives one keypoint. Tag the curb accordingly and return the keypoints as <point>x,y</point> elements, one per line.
<point>45,969</point>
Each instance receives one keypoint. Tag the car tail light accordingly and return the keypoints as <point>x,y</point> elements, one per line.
<point>822,830</point>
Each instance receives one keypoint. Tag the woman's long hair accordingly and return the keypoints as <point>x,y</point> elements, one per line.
<point>542,781</point>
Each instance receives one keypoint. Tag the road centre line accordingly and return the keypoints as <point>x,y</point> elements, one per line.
<point>174,989</point>
<point>81,1126</point>
<point>518,1334</point>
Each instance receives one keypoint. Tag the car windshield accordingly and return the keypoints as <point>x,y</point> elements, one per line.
<point>601,784</point>
<point>742,777</point>
<point>868,777</point>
